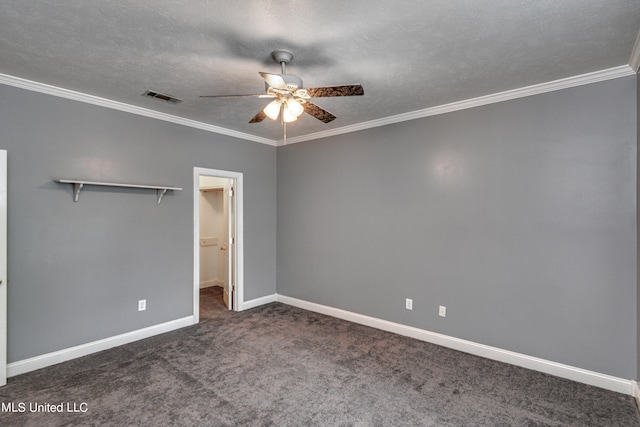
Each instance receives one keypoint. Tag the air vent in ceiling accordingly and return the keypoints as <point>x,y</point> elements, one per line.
<point>162,96</point>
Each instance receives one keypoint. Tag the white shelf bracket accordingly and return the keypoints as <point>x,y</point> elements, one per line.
<point>77,186</point>
<point>161,192</point>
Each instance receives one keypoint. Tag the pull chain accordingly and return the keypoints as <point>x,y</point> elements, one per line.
<point>283,66</point>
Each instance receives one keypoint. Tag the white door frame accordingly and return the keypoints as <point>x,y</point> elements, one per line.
<point>3,267</point>
<point>238,273</point>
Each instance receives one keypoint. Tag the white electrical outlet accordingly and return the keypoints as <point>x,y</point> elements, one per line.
<point>409,304</point>
<point>442,311</point>
<point>142,305</point>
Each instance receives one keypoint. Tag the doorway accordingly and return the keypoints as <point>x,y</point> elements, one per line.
<point>218,237</point>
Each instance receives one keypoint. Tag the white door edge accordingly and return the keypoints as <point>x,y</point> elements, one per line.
<point>3,267</point>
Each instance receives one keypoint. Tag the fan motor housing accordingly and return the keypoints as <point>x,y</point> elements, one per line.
<point>293,82</point>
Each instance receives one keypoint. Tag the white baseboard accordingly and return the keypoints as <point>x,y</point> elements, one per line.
<point>42,361</point>
<point>210,283</point>
<point>258,302</point>
<point>608,382</point>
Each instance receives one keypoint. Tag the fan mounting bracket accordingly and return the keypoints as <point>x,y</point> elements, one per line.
<point>281,56</point>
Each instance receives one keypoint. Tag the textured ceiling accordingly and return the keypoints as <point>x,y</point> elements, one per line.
<point>408,55</point>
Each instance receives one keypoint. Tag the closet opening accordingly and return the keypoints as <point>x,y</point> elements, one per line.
<point>217,242</point>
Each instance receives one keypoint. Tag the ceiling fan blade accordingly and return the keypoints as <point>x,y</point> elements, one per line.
<point>257,95</point>
<point>274,80</point>
<point>260,116</point>
<point>346,90</point>
<point>317,112</point>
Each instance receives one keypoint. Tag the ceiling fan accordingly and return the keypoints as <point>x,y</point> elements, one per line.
<point>290,98</point>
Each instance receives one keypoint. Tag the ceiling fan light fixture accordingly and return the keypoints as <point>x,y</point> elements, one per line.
<point>272,110</point>
<point>287,116</point>
<point>291,97</point>
<point>294,107</point>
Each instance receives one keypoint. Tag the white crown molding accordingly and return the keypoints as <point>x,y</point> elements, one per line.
<point>583,79</point>
<point>634,61</point>
<point>597,379</point>
<point>120,106</point>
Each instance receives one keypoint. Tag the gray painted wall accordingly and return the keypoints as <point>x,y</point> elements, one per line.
<point>77,270</point>
<point>519,217</point>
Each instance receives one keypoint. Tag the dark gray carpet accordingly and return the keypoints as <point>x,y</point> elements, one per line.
<point>282,366</point>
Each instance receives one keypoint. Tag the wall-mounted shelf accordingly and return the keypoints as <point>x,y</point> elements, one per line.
<point>79,184</point>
